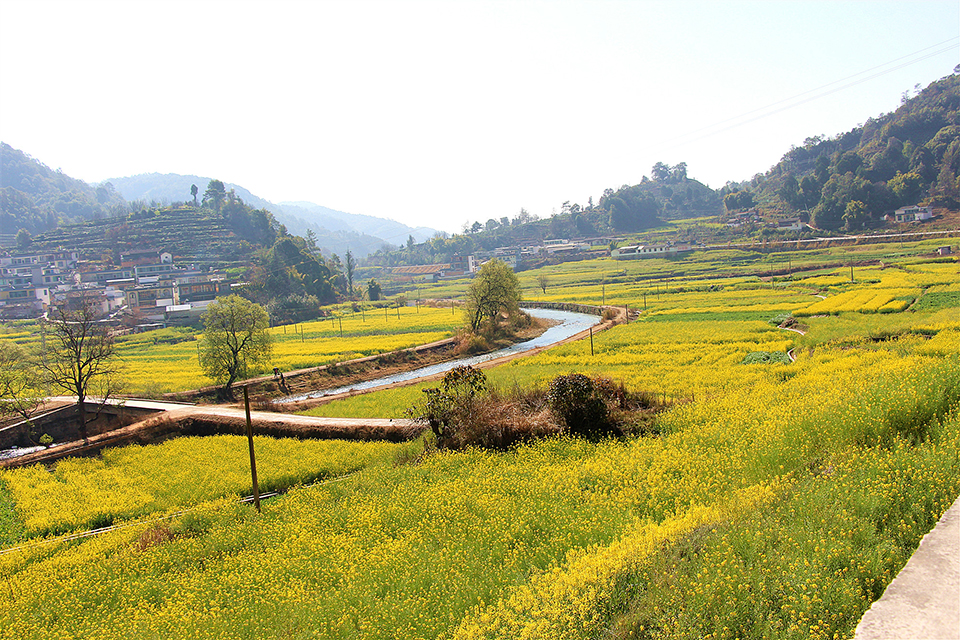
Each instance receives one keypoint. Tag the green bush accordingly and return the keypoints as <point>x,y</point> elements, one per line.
<point>579,405</point>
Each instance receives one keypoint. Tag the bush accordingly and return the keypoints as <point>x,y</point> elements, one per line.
<point>579,404</point>
<point>447,404</point>
<point>462,412</point>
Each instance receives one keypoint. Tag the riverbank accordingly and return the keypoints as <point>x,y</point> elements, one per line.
<point>264,390</point>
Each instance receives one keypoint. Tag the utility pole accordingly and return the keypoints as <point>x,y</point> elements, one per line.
<point>253,458</point>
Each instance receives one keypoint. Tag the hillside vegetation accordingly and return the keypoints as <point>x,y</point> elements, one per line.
<point>37,198</point>
<point>895,159</point>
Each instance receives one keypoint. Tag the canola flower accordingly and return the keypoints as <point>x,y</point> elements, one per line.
<point>779,502</point>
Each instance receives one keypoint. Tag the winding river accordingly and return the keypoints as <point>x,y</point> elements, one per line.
<point>568,324</point>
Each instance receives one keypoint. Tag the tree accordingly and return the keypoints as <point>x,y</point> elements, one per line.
<point>660,172</point>
<point>374,291</point>
<point>351,265</point>
<point>854,215</point>
<point>19,387</point>
<point>543,281</point>
<point>23,239</point>
<point>235,339</point>
<point>194,190</point>
<point>215,194</point>
<point>493,292</point>
<point>79,358</point>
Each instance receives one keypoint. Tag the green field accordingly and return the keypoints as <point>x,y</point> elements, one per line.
<point>777,501</point>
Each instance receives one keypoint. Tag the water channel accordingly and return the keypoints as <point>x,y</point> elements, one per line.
<point>568,324</point>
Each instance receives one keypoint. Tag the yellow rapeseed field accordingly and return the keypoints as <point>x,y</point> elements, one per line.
<point>778,501</point>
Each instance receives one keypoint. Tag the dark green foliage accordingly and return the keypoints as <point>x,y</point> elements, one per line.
<point>936,300</point>
<point>493,293</point>
<point>374,291</point>
<point>896,159</point>
<point>11,524</point>
<point>448,404</point>
<point>291,281</point>
<point>738,201</point>
<point>765,357</point>
<point>632,209</point>
<point>579,405</point>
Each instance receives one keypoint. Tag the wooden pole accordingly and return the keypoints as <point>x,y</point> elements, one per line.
<point>253,459</point>
<point>341,327</point>
<point>591,344</point>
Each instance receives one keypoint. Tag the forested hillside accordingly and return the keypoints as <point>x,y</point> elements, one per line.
<point>34,197</point>
<point>852,179</point>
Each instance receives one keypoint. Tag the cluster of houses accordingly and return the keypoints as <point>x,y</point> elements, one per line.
<point>147,286</point>
<point>912,213</point>
<point>753,217</point>
<point>515,256</point>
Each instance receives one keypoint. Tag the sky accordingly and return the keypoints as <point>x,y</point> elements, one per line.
<point>442,113</point>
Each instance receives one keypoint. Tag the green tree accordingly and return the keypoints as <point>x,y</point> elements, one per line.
<point>350,266</point>
<point>215,194</point>
<point>495,291</point>
<point>907,187</point>
<point>194,190</point>
<point>374,291</point>
<point>235,340</point>
<point>854,215</point>
<point>79,358</point>
<point>23,239</point>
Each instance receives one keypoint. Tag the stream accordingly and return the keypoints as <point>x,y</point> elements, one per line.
<point>569,324</point>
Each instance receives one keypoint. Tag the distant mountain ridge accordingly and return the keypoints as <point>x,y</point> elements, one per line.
<point>336,231</point>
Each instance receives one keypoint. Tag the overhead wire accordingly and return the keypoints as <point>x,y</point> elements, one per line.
<point>793,101</point>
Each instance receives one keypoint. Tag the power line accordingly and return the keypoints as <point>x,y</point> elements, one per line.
<point>793,102</point>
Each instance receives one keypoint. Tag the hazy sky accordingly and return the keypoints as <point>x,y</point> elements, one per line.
<point>436,113</point>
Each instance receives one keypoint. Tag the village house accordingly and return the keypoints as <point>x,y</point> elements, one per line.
<point>790,224</point>
<point>914,213</point>
<point>637,251</point>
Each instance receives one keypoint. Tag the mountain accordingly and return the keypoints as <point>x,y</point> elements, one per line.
<point>36,198</point>
<point>336,231</point>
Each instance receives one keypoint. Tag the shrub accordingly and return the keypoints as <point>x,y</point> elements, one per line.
<point>447,404</point>
<point>579,404</point>
<point>462,413</point>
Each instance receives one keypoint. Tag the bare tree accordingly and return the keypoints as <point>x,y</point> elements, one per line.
<point>19,392</point>
<point>543,281</point>
<point>79,358</point>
